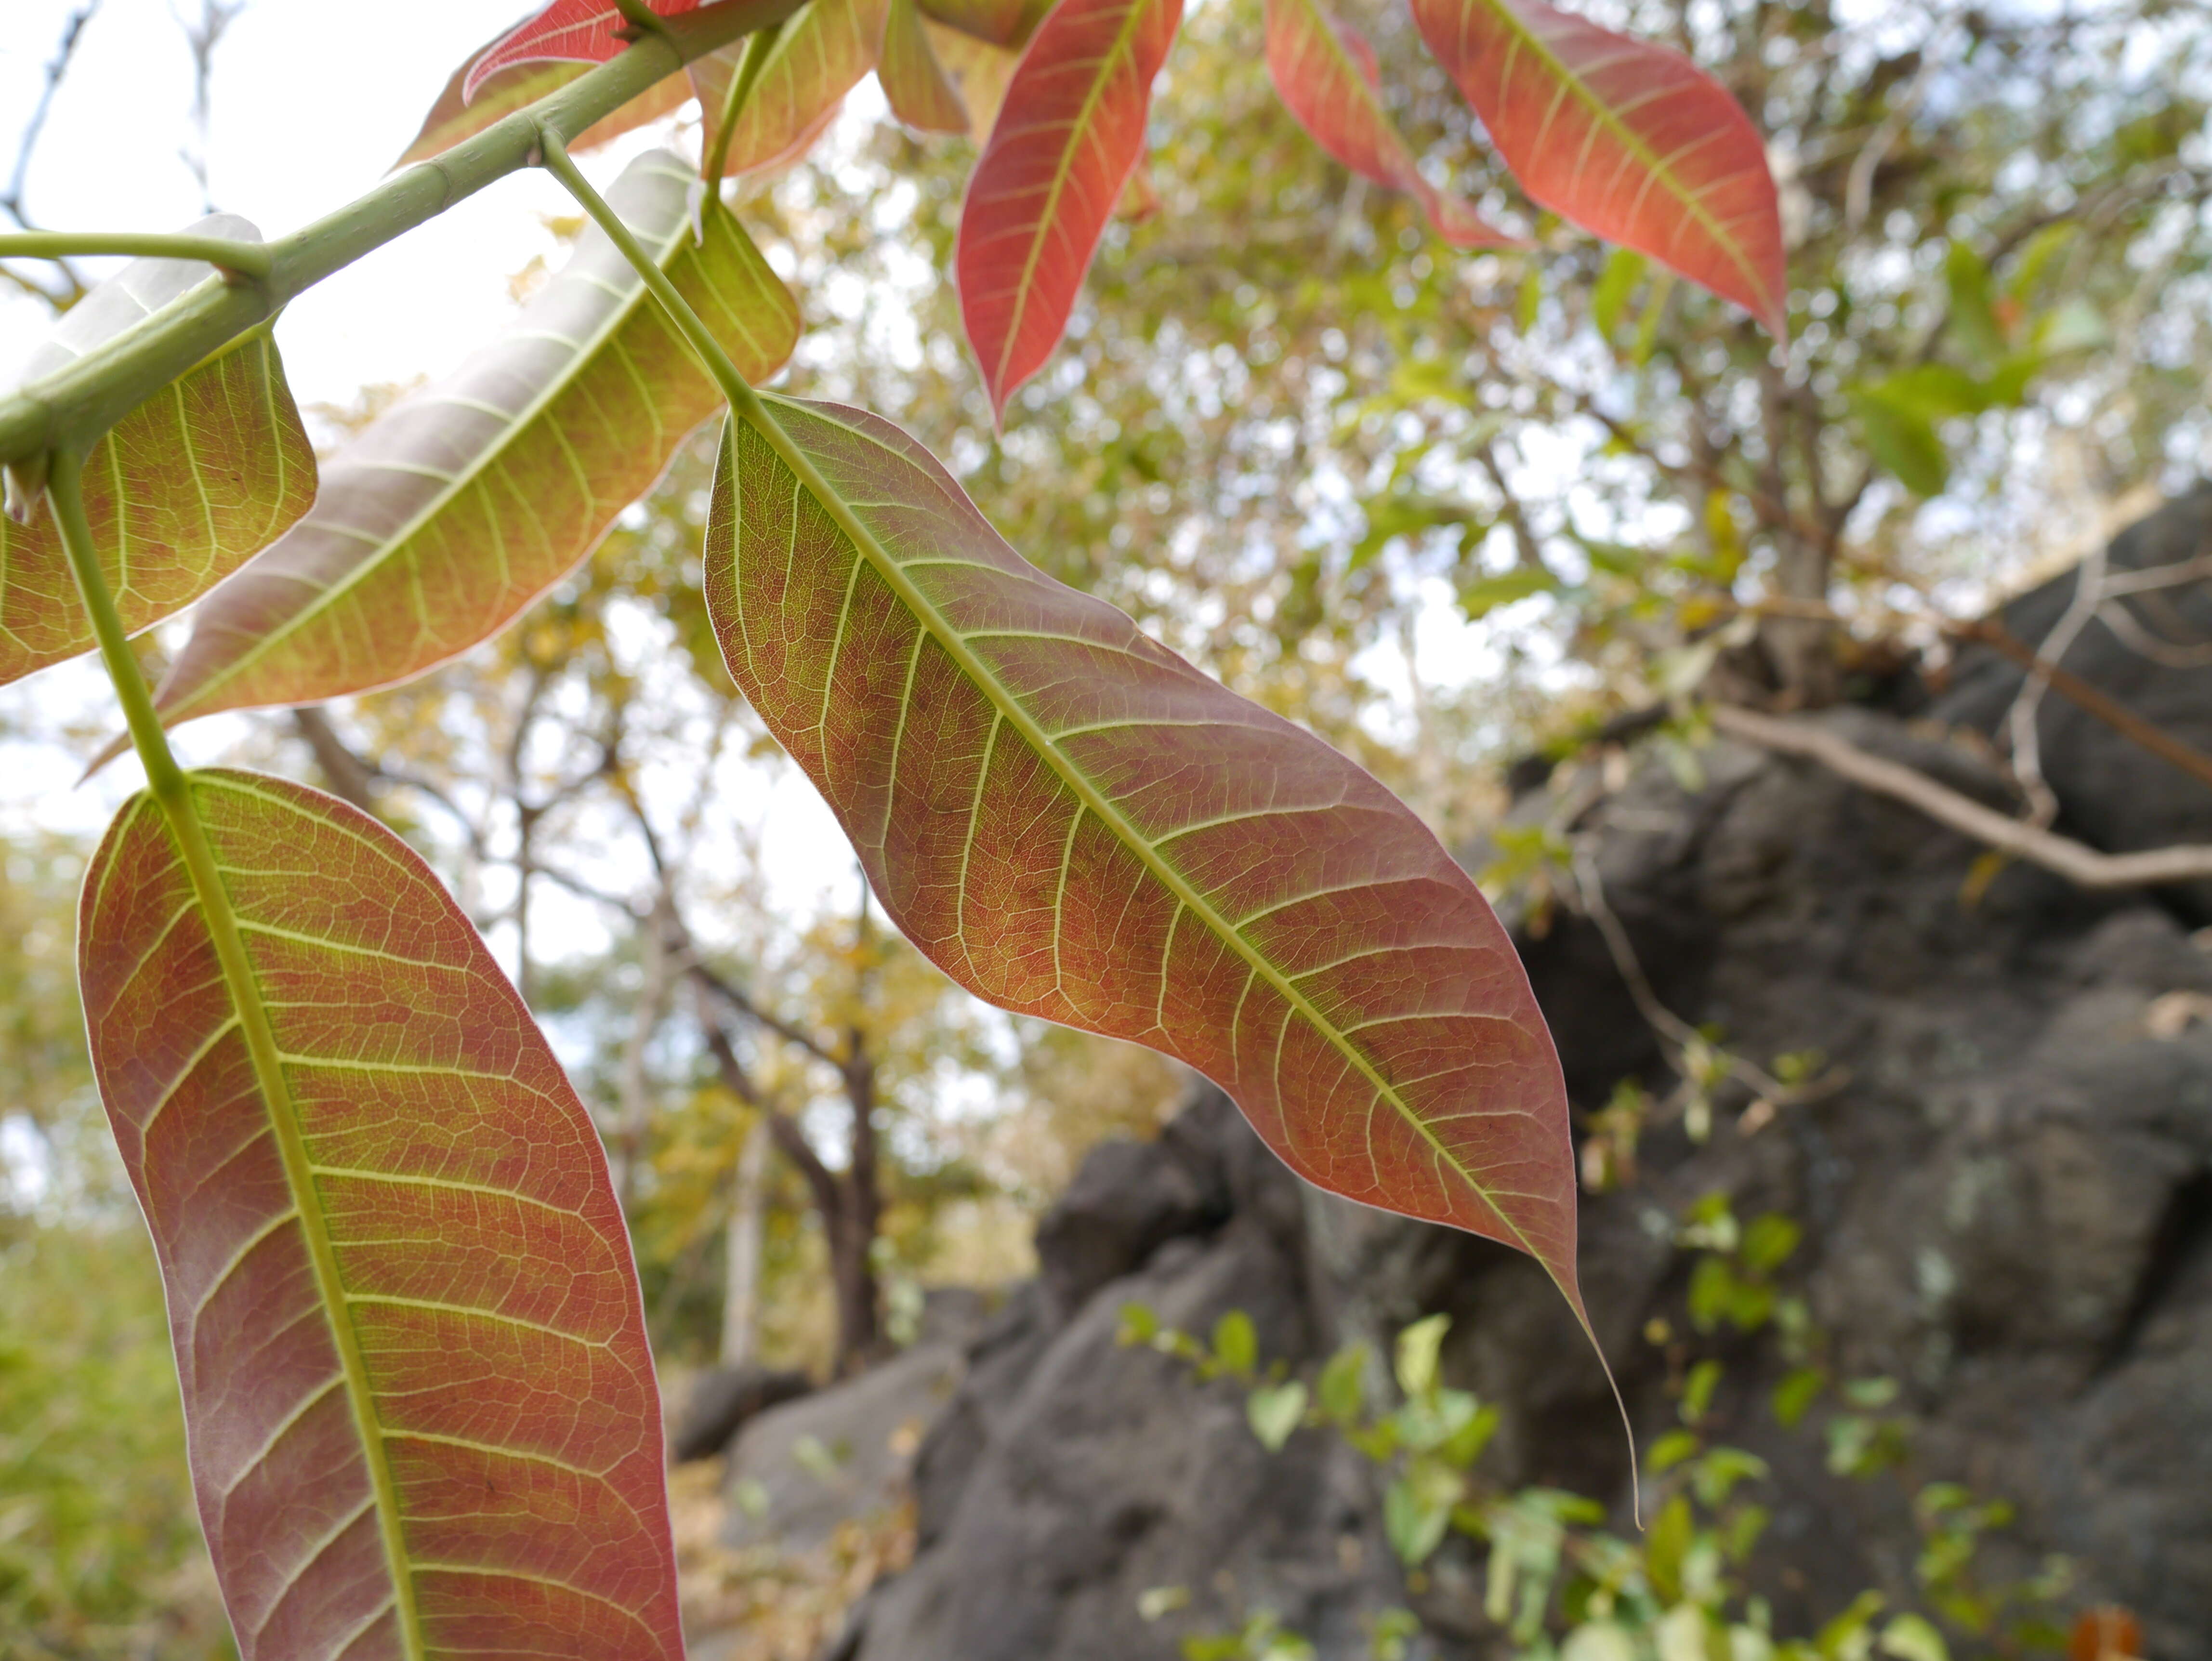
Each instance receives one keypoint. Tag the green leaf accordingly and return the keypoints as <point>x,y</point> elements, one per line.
<point>1974,311</point>
<point>1342,1388</point>
<point>1275,1411</point>
<point>408,1328</point>
<point>1910,1638</point>
<point>1797,1393</point>
<point>1670,1450</point>
<point>1770,1241</point>
<point>179,493</point>
<point>1934,391</point>
<point>1419,1347</point>
<point>1903,440</point>
<point>1235,1344</point>
<point>1485,594</point>
<point>1417,1509</point>
<point>1624,269</point>
<point>456,510</point>
<point>1667,1546</point>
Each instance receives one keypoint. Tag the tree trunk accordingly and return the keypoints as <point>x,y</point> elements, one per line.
<point>852,1241</point>
<point>741,1280</point>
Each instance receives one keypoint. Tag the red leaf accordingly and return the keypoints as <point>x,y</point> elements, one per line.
<point>422,1411</point>
<point>913,81</point>
<point>574,31</point>
<point>1073,823</point>
<point>1071,128</point>
<point>1327,76</point>
<point>460,114</point>
<point>1627,139</point>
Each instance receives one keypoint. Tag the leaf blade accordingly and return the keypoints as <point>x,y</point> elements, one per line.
<point>1069,134</point>
<point>367,1469</point>
<point>460,505</point>
<point>913,81</point>
<point>1165,863</point>
<point>567,31</point>
<point>824,53</point>
<point>1326,74</point>
<point>1628,139</point>
<point>182,491</point>
<point>456,114</point>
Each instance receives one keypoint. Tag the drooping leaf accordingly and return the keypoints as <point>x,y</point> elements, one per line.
<point>1904,439</point>
<point>454,511</point>
<point>823,53</point>
<point>979,72</point>
<point>569,31</point>
<point>1627,139</point>
<point>912,80</point>
<point>1325,74</point>
<point>421,1406</point>
<point>1001,22</point>
<point>1073,823</point>
<point>179,493</point>
<point>456,115</point>
<point>1069,132</point>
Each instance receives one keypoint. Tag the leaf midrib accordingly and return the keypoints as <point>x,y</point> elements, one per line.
<point>1009,708</point>
<point>180,810</point>
<point>1526,35</point>
<point>586,355</point>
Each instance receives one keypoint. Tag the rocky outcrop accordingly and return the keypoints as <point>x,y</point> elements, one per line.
<point>2007,1200</point>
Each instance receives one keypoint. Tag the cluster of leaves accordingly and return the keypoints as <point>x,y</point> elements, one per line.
<point>1557,1582</point>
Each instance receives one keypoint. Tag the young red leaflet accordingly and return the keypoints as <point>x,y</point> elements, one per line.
<point>577,31</point>
<point>1629,140</point>
<point>1069,133</point>
<point>1325,74</point>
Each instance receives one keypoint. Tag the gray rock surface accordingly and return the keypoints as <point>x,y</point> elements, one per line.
<point>2008,1206</point>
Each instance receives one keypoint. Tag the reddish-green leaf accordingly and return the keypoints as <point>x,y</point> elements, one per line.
<point>445,520</point>
<point>1073,823</point>
<point>912,79</point>
<point>1069,133</point>
<point>1327,75</point>
<point>822,55</point>
<point>419,1399</point>
<point>456,115</point>
<point>571,31</point>
<point>1625,138</point>
<point>179,493</point>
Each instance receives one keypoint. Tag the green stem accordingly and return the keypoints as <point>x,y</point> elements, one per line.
<point>172,791</point>
<point>246,258</point>
<point>741,89</point>
<point>72,408</point>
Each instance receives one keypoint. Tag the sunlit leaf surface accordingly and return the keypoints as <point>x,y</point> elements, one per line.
<point>184,488</point>
<point>454,511</point>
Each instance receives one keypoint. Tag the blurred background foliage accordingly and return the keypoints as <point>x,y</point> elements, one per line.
<point>1442,509</point>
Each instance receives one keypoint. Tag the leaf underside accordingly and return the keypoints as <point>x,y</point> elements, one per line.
<point>456,115</point>
<point>478,1389</point>
<point>179,493</point>
<point>1328,78</point>
<point>824,52</point>
<point>1627,139</point>
<point>1073,823</point>
<point>1071,130</point>
<point>449,515</point>
<point>913,81</point>
<point>571,31</point>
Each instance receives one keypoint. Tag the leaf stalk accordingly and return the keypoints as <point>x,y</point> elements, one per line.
<point>249,260</point>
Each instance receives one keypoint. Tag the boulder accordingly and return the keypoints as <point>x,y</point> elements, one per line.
<point>722,1400</point>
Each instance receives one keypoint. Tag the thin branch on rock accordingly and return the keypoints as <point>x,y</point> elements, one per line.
<point>2086,867</point>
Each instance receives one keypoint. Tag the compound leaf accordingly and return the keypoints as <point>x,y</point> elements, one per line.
<point>421,1406</point>
<point>460,505</point>
<point>1069,134</point>
<point>1073,823</point>
<point>179,493</point>
<point>1627,139</point>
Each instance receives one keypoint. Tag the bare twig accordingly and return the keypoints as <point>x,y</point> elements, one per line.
<point>2086,867</point>
<point>2021,720</point>
<point>19,179</point>
<point>203,36</point>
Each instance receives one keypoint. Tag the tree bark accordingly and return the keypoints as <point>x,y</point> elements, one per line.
<point>742,1276</point>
